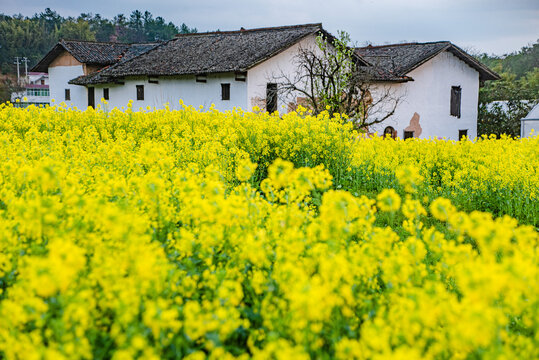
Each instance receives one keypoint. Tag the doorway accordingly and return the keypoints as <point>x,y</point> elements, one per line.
<point>91,97</point>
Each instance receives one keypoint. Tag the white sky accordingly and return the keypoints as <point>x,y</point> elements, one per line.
<point>492,26</point>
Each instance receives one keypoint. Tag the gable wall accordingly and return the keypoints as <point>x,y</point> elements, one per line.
<point>429,96</point>
<point>270,70</point>
<point>62,69</point>
<point>65,59</point>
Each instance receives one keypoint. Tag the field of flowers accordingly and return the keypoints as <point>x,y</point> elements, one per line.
<point>170,234</point>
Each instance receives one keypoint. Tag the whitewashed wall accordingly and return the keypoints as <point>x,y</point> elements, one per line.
<point>429,96</point>
<point>58,82</point>
<point>171,90</point>
<point>527,125</point>
<point>270,71</point>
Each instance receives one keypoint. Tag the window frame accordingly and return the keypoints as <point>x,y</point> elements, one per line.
<point>225,91</point>
<point>67,94</point>
<point>455,101</point>
<point>140,92</point>
<point>462,133</point>
<point>106,93</point>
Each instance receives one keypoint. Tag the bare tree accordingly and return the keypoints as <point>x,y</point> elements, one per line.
<point>330,76</point>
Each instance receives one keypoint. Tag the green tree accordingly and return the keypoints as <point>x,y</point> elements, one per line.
<point>33,37</point>
<point>76,30</point>
<point>504,102</point>
<point>23,37</point>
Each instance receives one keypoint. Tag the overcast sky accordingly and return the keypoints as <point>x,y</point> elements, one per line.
<point>492,26</point>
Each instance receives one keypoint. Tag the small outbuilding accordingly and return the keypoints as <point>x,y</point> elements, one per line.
<point>530,123</point>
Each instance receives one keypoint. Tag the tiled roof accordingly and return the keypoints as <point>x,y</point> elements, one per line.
<point>214,52</point>
<point>398,60</point>
<point>93,53</point>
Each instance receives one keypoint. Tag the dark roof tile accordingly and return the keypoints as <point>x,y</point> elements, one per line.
<point>398,60</point>
<point>215,52</point>
<point>93,53</point>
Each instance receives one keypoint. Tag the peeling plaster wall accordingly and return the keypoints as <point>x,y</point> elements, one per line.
<point>429,96</point>
<point>267,71</point>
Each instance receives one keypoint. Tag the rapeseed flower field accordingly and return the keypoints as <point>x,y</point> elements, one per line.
<point>201,234</point>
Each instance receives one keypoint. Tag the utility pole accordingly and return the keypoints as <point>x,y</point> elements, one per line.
<point>25,61</point>
<point>18,63</point>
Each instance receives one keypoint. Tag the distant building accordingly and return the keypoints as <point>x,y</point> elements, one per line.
<point>36,90</point>
<point>530,123</point>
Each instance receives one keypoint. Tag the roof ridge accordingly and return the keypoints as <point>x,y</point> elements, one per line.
<point>242,30</point>
<point>109,42</point>
<point>403,44</point>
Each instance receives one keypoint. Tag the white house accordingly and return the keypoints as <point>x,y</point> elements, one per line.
<point>68,60</point>
<point>36,90</point>
<point>228,69</point>
<point>235,69</point>
<point>437,83</point>
<point>530,123</point>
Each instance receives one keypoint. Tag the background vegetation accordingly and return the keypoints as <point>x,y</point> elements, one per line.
<point>34,36</point>
<point>504,102</point>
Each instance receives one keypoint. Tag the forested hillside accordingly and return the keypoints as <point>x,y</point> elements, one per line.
<point>504,102</point>
<point>32,37</point>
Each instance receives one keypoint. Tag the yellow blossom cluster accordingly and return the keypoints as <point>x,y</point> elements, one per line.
<point>236,235</point>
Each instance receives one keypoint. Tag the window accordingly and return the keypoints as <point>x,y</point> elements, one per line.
<point>225,91</point>
<point>91,97</point>
<point>106,93</point>
<point>390,131</point>
<point>140,92</point>
<point>37,92</point>
<point>408,134</point>
<point>455,101</point>
<point>42,82</point>
<point>271,98</point>
<point>67,94</point>
<point>463,134</point>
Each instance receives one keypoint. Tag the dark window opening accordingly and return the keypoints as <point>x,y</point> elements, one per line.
<point>42,82</point>
<point>463,134</point>
<point>225,91</point>
<point>455,101</point>
<point>140,92</point>
<point>271,98</point>
<point>91,97</point>
<point>106,93</point>
<point>67,94</point>
<point>390,131</point>
<point>201,78</point>
<point>408,134</point>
